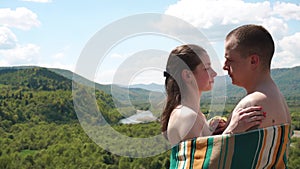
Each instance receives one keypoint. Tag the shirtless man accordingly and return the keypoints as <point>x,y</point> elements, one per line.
<point>248,52</point>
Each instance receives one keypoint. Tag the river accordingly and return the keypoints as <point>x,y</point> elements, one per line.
<point>140,117</point>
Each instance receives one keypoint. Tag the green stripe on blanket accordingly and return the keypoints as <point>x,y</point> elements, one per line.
<point>261,148</point>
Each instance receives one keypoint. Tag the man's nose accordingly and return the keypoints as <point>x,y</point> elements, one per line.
<point>225,67</point>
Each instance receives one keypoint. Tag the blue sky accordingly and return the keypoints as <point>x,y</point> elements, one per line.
<point>53,33</point>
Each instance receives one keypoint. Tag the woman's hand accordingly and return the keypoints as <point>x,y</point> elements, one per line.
<point>244,119</point>
<point>218,124</point>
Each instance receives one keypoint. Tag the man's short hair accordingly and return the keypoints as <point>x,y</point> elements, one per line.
<point>254,39</point>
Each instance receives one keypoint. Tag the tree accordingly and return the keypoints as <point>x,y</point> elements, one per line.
<point>124,163</point>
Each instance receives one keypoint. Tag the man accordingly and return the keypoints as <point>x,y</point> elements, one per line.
<point>248,52</point>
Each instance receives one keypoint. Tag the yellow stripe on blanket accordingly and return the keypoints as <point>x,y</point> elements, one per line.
<point>261,148</point>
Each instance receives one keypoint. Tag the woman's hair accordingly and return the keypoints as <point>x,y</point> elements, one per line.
<point>180,58</point>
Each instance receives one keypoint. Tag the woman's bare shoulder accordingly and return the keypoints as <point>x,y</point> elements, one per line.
<point>181,122</point>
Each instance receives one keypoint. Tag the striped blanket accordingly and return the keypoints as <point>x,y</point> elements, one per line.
<point>261,148</point>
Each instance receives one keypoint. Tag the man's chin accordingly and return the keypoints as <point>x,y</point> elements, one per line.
<point>232,81</point>
<point>236,84</point>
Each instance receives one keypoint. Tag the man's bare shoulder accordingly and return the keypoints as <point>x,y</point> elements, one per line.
<point>273,104</point>
<point>253,99</point>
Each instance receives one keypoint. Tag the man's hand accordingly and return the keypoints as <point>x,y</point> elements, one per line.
<point>244,119</point>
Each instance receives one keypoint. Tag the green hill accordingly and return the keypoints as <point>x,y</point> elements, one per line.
<point>39,127</point>
<point>288,81</point>
<point>39,94</point>
<point>34,78</point>
<point>42,94</point>
<point>126,98</point>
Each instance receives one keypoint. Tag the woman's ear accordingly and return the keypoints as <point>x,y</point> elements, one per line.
<point>186,75</point>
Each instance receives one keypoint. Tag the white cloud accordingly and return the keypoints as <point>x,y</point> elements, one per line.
<point>287,10</point>
<point>11,51</point>
<point>216,18</point>
<point>8,39</point>
<point>209,13</point>
<point>288,53</point>
<point>276,26</point>
<point>39,1</point>
<point>59,55</point>
<point>21,18</point>
<point>62,53</point>
<point>20,55</point>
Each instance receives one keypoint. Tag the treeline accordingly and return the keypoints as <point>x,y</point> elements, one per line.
<point>21,105</point>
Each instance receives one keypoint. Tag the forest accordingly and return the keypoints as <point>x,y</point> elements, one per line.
<point>40,129</point>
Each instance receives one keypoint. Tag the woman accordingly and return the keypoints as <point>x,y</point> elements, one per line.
<point>189,73</point>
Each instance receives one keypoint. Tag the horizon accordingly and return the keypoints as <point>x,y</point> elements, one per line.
<point>121,85</point>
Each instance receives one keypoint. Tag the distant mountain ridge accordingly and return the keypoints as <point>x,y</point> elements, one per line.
<point>34,78</point>
<point>287,79</point>
<point>151,87</point>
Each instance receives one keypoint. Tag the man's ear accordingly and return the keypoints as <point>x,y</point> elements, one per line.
<point>254,60</point>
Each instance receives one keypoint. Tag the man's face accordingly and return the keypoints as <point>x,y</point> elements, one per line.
<point>236,66</point>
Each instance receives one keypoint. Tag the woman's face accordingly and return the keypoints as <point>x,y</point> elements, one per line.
<point>204,74</point>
